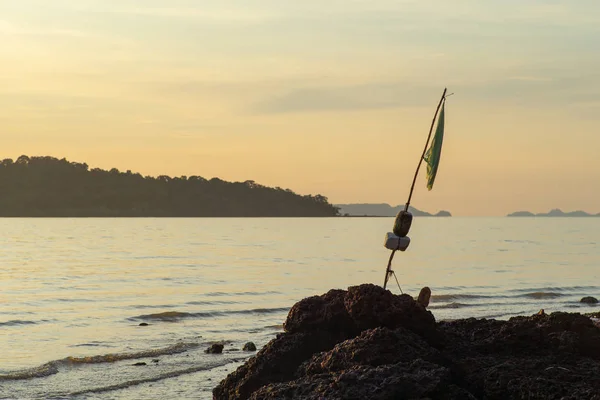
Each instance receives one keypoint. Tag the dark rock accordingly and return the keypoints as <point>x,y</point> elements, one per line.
<point>249,347</point>
<point>216,348</point>
<point>415,380</point>
<point>156,360</point>
<point>348,313</point>
<point>536,335</point>
<point>276,362</point>
<point>371,306</point>
<point>327,312</point>
<point>143,324</point>
<point>366,343</point>
<point>589,300</point>
<point>139,364</point>
<point>375,347</point>
<point>540,378</point>
<point>424,297</point>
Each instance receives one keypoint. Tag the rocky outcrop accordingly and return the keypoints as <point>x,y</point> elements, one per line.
<point>589,300</point>
<point>249,347</point>
<point>366,343</point>
<point>216,348</point>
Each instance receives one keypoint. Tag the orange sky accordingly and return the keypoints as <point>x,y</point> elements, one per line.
<point>321,97</point>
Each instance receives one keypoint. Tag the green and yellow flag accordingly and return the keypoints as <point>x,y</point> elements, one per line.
<point>432,157</point>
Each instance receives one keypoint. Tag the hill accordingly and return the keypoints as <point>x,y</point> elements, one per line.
<point>553,213</point>
<point>49,187</point>
<point>383,210</point>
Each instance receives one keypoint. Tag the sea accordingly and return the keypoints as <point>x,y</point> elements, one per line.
<point>125,308</point>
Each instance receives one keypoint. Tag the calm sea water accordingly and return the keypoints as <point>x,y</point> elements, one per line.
<point>73,292</point>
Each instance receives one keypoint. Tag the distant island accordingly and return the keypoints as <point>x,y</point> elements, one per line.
<point>383,210</point>
<point>49,187</point>
<point>553,213</point>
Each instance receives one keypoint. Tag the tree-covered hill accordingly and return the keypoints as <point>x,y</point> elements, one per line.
<point>49,187</point>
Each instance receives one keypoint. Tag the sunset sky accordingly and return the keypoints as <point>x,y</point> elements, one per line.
<point>332,96</point>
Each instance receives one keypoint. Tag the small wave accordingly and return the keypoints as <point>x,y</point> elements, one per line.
<point>263,310</point>
<point>42,371</point>
<point>17,322</point>
<point>51,368</point>
<point>277,327</point>
<point>542,295</point>
<point>110,358</point>
<point>91,344</point>
<point>450,297</point>
<point>145,306</point>
<point>212,303</point>
<point>76,300</point>
<point>174,316</point>
<point>451,305</point>
<point>555,289</point>
<point>241,293</point>
<point>168,375</point>
<point>521,241</point>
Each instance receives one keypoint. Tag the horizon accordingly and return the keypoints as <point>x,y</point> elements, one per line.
<point>442,209</point>
<point>333,99</point>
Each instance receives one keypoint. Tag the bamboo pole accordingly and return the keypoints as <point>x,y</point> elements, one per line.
<point>388,270</point>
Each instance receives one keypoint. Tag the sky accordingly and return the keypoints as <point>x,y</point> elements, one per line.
<point>333,97</point>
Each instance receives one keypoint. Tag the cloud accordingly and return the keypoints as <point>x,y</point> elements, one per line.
<point>234,15</point>
<point>531,91</point>
<point>12,29</point>
<point>370,96</point>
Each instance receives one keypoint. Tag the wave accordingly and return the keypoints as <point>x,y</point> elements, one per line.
<point>91,344</point>
<point>240,293</point>
<point>145,306</point>
<point>173,316</point>
<point>542,295</point>
<point>17,322</point>
<point>76,300</point>
<point>168,375</point>
<point>264,310</point>
<point>555,289</point>
<point>276,327</point>
<point>450,297</point>
<point>479,305</point>
<point>452,305</point>
<point>52,367</point>
<point>212,303</point>
<point>110,358</point>
<point>42,371</point>
<point>537,294</point>
<point>521,241</point>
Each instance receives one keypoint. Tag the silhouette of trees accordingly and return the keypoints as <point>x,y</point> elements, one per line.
<point>49,187</point>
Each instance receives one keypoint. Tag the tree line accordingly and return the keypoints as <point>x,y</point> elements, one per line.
<point>52,187</point>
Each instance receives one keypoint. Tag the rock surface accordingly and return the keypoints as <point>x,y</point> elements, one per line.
<point>216,348</point>
<point>249,347</point>
<point>366,343</point>
<point>589,300</point>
